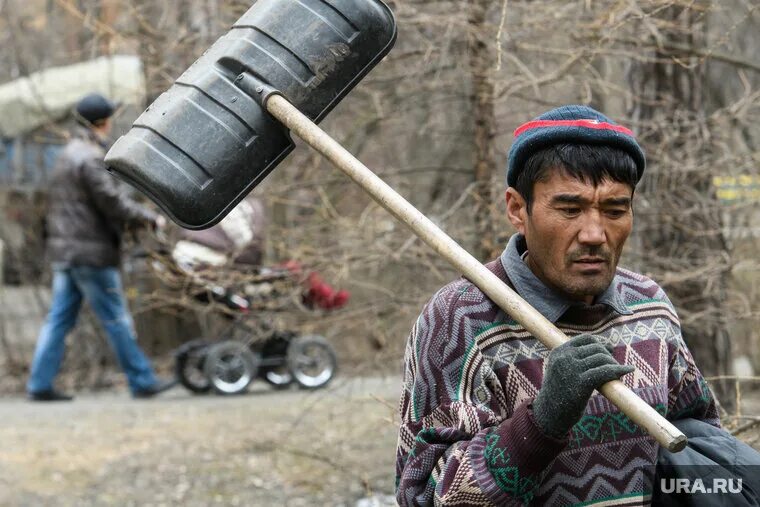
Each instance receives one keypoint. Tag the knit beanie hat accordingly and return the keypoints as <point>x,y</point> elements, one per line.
<point>573,125</point>
<point>95,107</point>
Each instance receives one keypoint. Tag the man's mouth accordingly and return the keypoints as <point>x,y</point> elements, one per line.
<point>591,263</point>
<point>591,260</point>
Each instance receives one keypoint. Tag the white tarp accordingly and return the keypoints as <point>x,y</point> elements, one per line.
<point>46,96</point>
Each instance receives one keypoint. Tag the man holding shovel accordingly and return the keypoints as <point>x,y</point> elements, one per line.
<point>488,414</point>
<point>469,413</point>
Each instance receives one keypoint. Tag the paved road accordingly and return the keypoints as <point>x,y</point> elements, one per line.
<point>328,447</point>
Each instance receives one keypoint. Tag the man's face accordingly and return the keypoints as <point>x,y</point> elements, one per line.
<point>575,232</point>
<point>107,127</point>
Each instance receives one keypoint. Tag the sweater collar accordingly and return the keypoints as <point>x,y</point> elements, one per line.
<point>548,302</point>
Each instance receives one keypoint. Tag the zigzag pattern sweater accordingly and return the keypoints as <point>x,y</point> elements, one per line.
<point>467,434</point>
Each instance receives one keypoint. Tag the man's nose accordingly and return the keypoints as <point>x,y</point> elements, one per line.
<point>592,230</point>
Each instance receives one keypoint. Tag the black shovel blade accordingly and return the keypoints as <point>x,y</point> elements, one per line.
<point>206,142</point>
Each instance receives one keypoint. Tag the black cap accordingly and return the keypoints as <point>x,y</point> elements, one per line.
<point>94,107</point>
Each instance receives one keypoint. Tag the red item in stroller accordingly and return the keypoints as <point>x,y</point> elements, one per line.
<point>322,294</point>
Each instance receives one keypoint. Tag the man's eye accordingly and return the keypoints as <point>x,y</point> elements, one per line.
<point>571,211</point>
<point>615,213</point>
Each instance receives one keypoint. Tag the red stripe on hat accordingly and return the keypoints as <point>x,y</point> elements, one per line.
<point>591,124</point>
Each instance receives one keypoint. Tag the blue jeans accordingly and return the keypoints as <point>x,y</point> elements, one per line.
<point>102,289</point>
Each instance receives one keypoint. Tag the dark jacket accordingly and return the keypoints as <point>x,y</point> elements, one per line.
<point>713,456</point>
<point>87,208</point>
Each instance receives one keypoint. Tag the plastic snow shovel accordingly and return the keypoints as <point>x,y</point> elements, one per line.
<point>224,125</point>
<point>207,141</point>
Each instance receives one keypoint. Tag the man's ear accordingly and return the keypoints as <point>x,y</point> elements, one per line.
<point>517,210</point>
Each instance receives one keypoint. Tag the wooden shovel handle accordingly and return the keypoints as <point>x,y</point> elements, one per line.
<point>500,293</point>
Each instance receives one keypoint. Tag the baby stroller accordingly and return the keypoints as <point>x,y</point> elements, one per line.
<point>252,343</point>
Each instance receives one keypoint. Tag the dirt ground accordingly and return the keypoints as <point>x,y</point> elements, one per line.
<point>328,447</point>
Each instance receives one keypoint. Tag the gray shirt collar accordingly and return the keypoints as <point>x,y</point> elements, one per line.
<point>547,301</point>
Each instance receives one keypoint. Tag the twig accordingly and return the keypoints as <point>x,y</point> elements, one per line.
<point>746,426</point>
<point>498,34</point>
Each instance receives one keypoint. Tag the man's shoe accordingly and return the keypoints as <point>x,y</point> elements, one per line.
<point>50,395</point>
<point>158,387</point>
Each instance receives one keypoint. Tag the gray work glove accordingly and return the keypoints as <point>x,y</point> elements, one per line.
<point>573,371</point>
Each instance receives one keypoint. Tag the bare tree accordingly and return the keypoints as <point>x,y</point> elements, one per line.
<point>435,119</point>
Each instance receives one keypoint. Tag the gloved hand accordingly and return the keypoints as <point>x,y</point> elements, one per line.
<point>573,371</point>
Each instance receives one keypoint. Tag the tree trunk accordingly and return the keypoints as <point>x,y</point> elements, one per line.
<point>481,61</point>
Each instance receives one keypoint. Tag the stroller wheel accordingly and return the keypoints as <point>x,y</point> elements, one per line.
<point>189,366</point>
<point>231,366</point>
<point>311,360</point>
<point>278,377</point>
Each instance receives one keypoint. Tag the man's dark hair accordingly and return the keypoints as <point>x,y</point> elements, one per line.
<point>588,163</point>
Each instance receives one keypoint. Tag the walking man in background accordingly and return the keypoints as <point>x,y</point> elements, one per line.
<point>86,216</point>
<point>489,416</point>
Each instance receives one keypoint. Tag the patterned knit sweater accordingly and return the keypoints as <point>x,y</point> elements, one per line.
<point>467,434</point>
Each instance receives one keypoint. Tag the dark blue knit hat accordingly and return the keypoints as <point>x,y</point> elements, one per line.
<point>94,107</point>
<point>573,125</point>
